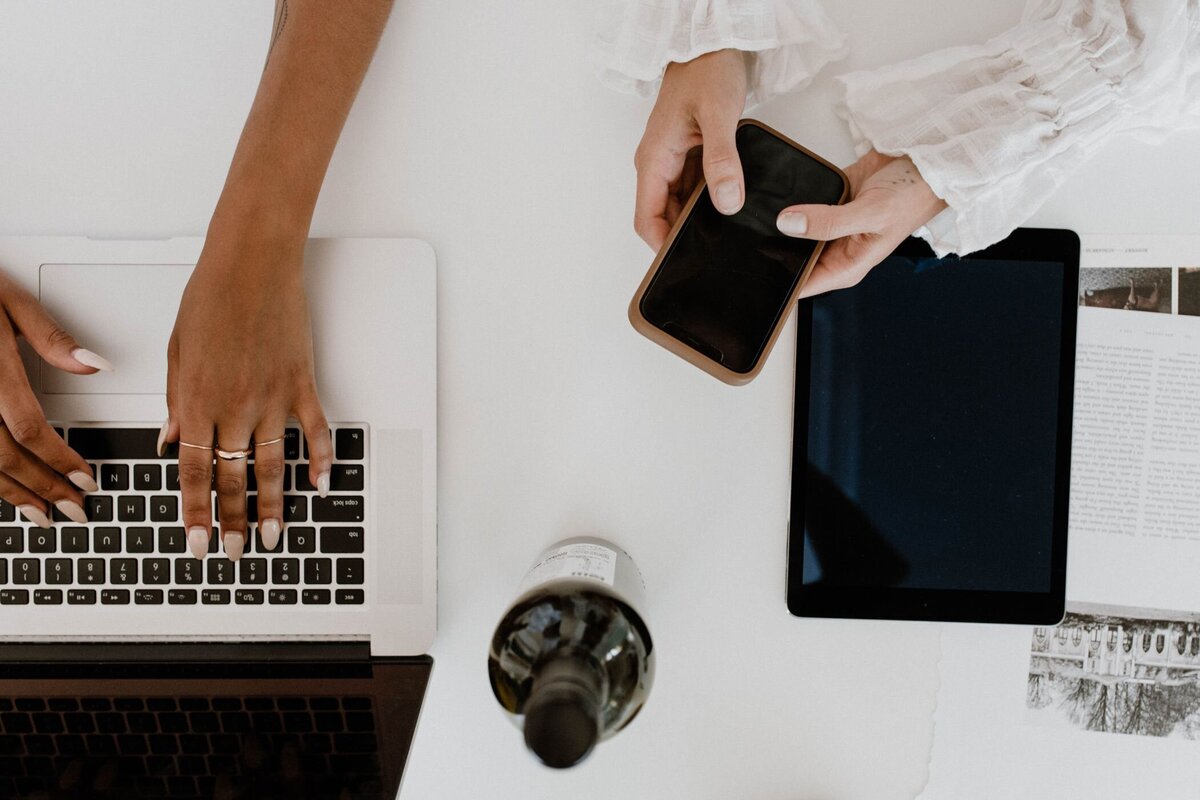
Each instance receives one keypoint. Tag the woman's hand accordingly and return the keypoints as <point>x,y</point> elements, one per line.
<point>699,105</point>
<point>889,200</point>
<point>240,362</point>
<point>36,466</point>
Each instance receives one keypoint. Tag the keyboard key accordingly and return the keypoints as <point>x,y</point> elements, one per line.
<point>106,540</point>
<point>8,512</point>
<point>81,597</point>
<point>172,477</point>
<point>125,444</point>
<point>258,542</point>
<point>318,571</point>
<point>295,509</point>
<point>26,571</point>
<point>337,509</point>
<point>172,540</point>
<point>131,508</point>
<point>220,571</point>
<point>249,597</point>
<point>215,597</point>
<point>342,478</point>
<point>12,540</point>
<point>148,597</point>
<point>59,571</point>
<point>147,477</point>
<point>3,570</point>
<point>181,597</point>
<point>282,597</point>
<point>189,570</point>
<point>350,597</point>
<point>114,477</point>
<point>123,571</point>
<point>253,571</point>
<point>164,508</point>
<point>114,597</point>
<point>349,444</point>
<point>42,540</point>
<point>48,597</point>
<point>156,571</point>
<point>74,540</point>
<point>91,570</point>
<point>318,597</point>
<point>341,540</point>
<point>139,540</point>
<point>300,540</point>
<point>14,597</point>
<point>291,444</point>
<point>350,570</point>
<point>98,507</point>
<point>285,570</point>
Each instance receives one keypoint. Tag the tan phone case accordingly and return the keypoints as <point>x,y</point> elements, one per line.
<point>657,335</point>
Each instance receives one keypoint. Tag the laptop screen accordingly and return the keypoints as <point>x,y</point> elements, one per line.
<point>212,730</point>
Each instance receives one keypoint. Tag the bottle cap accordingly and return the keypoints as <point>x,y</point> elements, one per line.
<point>562,722</point>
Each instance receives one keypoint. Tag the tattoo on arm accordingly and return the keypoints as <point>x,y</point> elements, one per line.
<point>281,15</point>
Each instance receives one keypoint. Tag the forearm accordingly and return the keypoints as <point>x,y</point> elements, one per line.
<point>319,54</point>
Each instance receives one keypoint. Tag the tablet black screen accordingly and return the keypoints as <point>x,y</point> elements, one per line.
<point>933,427</point>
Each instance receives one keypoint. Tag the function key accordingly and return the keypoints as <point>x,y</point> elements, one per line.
<point>349,444</point>
<point>350,597</point>
<point>48,597</point>
<point>81,597</point>
<point>148,597</point>
<point>98,508</point>
<point>249,597</point>
<point>282,597</point>
<point>14,597</point>
<point>147,477</point>
<point>341,508</point>
<point>215,597</point>
<point>114,477</point>
<point>181,597</point>
<point>318,597</point>
<point>42,540</point>
<point>114,597</point>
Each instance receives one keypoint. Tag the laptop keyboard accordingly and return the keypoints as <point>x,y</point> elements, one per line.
<point>134,549</point>
<point>188,746</point>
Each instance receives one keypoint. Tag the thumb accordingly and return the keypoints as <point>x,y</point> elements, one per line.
<point>826,223</point>
<point>49,339</point>
<point>722,166</point>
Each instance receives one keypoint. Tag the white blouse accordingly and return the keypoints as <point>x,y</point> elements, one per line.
<point>994,128</point>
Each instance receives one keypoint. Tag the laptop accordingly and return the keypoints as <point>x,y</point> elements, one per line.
<point>130,669</point>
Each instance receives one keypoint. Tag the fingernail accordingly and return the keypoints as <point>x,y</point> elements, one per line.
<point>72,510</point>
<point>234,543</point>
<point>35,515</point>
<point>90,359</point>
<point>728,197</point>
<point>198,541</point>
<point>270,533</point>
<point>793,223</point>
<point>83,480</point>
<point>162,437</point>
<point>323,484</point>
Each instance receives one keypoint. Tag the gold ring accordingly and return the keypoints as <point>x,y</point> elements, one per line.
<point>196,446</point>
<point>233,455</point>
<point>269,441</point>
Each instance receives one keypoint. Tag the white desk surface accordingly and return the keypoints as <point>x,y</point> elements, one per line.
<point>481,129</point>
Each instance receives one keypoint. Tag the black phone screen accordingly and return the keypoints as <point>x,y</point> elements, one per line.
<point>726,280</point>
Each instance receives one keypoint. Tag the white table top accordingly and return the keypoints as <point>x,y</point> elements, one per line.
<point>481,129</point>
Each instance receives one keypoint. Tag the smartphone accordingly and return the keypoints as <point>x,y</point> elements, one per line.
<point>721,287</point>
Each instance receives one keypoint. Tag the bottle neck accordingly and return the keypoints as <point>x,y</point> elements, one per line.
<point>562,713</point>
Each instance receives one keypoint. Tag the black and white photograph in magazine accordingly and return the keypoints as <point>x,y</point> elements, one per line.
<point>1126,288</point>
<point>1117,670</point>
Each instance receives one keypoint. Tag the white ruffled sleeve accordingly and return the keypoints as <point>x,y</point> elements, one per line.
<point>789,40</point>
<point>996,128</point>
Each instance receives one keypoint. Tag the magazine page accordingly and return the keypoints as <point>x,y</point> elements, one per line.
<point>1106,704</point>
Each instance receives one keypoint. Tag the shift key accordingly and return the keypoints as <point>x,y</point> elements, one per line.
<point>337,509</point>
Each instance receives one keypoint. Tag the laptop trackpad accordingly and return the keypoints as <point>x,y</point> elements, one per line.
<point>124,312</point>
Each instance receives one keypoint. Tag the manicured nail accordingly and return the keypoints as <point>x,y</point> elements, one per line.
<point>72,511</point>
<point>323,484</point>
<point>35,515</point>
<point>162,438</point>
<point>270,533</point>
<point>198,541</point>
<point>793,223</point>
<point>83,480</point>
<point>234,543</point>
<point>90,359</point>
<point>728,197</point>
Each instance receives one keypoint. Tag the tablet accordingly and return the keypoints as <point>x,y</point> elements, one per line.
<point>932,438</point>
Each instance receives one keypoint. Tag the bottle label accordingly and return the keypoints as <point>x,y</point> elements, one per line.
<point>590,561</point>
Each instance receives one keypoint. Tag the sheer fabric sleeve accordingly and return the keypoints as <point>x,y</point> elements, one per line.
<point>996,128</point>
<point>788,41</point>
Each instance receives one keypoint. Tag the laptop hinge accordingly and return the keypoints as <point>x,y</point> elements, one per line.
<point>258,652</point>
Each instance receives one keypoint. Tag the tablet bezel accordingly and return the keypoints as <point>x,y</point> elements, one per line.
<point>947,605</point>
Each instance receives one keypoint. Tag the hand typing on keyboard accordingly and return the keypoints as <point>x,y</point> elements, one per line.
<point>36,466</point>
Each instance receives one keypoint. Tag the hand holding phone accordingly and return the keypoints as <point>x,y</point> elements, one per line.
<point>722,286</point>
